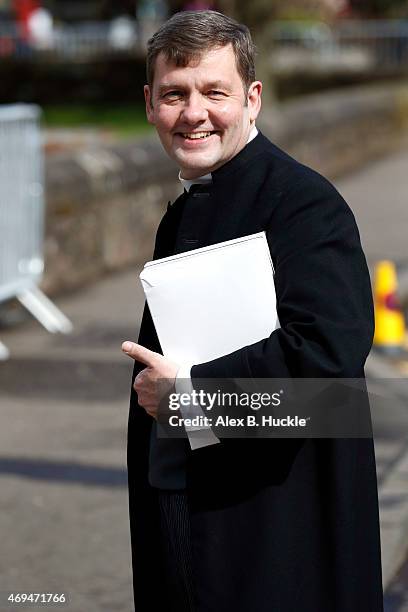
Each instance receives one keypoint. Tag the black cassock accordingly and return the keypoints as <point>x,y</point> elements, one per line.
<point>277,525</point>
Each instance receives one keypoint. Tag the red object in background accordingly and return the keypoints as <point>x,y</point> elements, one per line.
<point>23,10</point>
<point>339,8</point>
<point>392,302</point>
<point>7,46</point>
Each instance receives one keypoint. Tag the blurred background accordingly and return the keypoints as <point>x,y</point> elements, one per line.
<point>83,185</point>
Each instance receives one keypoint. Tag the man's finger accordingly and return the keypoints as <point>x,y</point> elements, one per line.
<point>140,353</point>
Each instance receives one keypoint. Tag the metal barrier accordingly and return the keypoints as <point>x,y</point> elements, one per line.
<point>75,43</point>
<point>22,216</point>
<point>377,46</point>
<point>386,40</point>
<point>368,44</point>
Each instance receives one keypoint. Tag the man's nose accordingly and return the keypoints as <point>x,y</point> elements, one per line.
<point>195,109</point>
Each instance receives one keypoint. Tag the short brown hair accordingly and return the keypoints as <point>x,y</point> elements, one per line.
<point>185,36</point>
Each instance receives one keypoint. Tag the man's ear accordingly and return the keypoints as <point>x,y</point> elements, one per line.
<point>149,105</point>
<point>254,99</point>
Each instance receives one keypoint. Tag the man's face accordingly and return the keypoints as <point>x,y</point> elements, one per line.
<point>201,112</point>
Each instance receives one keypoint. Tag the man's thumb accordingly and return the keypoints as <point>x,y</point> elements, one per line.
<point>139,353</point>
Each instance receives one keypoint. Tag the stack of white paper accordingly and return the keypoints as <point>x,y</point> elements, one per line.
<point>211,301</point>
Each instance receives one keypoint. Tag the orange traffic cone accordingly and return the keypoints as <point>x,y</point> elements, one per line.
<point>389,334</point>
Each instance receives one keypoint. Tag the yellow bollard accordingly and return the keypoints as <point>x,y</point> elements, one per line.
<point>389,334</point>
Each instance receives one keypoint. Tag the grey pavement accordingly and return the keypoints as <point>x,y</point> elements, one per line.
<point>378,198</point>
<point>377,195</point>
<point>64,401</point>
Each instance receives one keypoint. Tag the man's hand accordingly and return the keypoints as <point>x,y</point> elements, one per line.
<point>146,385</point>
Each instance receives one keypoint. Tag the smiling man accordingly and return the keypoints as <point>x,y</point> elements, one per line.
<point>249,525</point>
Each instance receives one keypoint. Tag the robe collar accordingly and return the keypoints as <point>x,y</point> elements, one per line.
<point>254,148</point>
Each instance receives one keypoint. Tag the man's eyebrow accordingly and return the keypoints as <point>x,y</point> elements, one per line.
<point>217,85</point>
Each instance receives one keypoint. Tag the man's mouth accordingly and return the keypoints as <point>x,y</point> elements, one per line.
<point>195,135</point>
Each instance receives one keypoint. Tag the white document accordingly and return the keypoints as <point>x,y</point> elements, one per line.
<point>209,302</point>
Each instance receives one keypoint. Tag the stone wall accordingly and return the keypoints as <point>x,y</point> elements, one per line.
<point>104,204</point>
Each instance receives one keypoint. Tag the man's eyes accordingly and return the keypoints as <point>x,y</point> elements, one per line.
<point>172,94</point>
<point>215,93</point>
<point>176,94</point>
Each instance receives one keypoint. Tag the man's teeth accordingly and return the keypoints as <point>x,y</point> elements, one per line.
<point>195,135</point>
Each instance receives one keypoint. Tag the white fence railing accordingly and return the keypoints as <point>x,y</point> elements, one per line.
<point>22,216</point>
<point>369,45</point>
<point>347,45</point>
<point>79,42</point>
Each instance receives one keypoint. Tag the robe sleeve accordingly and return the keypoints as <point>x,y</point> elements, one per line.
<point>323,290</point>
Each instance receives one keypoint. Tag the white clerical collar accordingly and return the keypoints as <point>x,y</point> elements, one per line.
<point>207,178</point>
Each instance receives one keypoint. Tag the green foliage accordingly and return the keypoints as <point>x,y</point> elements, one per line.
<point>123,119</point>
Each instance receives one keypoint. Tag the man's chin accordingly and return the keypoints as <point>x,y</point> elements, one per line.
<point>195,169</point>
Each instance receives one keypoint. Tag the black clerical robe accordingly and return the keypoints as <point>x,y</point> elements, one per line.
<point>277,525</point>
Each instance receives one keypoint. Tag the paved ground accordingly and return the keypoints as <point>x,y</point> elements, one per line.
<point>396,598</point>
<point>378,197</point>
<point>64,402</point>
